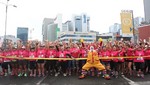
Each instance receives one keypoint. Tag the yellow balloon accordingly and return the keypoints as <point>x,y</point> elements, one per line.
<point>100,39</point>
<point>81,40</point>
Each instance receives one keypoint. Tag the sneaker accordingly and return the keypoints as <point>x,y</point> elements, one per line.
<point>69,74</point>
<point>142,75</point>
<point>64,74</point>
<point>12,74</point>
<point>34,75</point>
<point>43,74</point>
<point>25,75</point>
<point>82,76</point>
<point>56,74</point>
<point>138,75</point>
<point>20,74</point>
<point>31,75</point>
<point>107,77</point>
<point>5,74</point>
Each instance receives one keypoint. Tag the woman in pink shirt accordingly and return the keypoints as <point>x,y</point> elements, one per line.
<point>106,62</point>
<point>32,54</point>
<point>114,62</point>
<point>14,64</point>
<point>129,52</point>
<point>82,54</point>
<point>7,61</point>
<point>62,63</point>
<point>51,64</point>
<point>147,60</point>
<point>41,53</point>
<point>22,53</point>
<point>139,61</point>
<point>121,60</point>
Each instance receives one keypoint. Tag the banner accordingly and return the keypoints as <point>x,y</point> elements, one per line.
<point>127,22</point>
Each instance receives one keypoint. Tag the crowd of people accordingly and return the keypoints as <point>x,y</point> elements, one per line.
<point>137,64</point>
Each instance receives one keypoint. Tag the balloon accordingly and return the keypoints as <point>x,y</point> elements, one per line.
<point>100,39</point>
<point>81,40</point>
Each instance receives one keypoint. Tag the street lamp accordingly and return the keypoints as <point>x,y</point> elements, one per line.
<point>6,4</point>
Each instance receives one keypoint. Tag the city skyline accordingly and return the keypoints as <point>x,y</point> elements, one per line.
<point>102,13</point>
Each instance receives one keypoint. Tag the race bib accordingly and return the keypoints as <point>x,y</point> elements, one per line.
<point>140,58</point>
<point>21,56</point>
<point>40,56</point>
<point>51,56</point>
<point>120,58</point>
<point>32,56</point>
<point>61,55</point>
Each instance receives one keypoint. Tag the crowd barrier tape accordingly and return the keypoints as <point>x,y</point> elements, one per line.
<point>103,58</point>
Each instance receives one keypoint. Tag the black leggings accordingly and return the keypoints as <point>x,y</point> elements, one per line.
<point>51,65</point>
<point>139,65</point>
<point>5,65</point>
<point>63,65</point>
<point>32,65</point>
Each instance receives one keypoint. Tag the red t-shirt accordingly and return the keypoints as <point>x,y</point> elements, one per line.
<point>147,53</point>
<point>51,54</point>
<point>105,54</point>
<point>74,52</point>
<point>140,54</point>
<point>41,53</point>
<point>32,54</point>
<point>83,53</point>
<point>5,54</point>
<point>115,54</point>
<point>1,59</point>
<point>130,53</point>
<point>121,54</point>
<point>23,53</point>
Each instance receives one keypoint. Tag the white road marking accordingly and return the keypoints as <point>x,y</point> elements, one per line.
<point>130,81</point>
<point>39,82</point>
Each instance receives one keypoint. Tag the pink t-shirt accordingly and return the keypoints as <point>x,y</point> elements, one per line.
<point>121,54</point>
<point>32,54</point>
<point>147,53</point>
<point>115,54</point>
<point>41,53</point>
<point>1,59</point>
<point>62,54</point>
<point>51,54</point>
<point>7,53</point>
<point>83,53</point>
<point>105,54</point>
<point>23,53</point>
<point>130,53</point>
<point>140,54</point>
<point>74,52</point>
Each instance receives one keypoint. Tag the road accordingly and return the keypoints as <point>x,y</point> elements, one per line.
<point>72,80</point>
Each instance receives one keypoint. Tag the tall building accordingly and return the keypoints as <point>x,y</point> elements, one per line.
<point>22,33</point>
<point>115,28</point>
<point>147,10</point>
<point>52,32</point>
<point>137,22</point>
<point>81,23</point>
<point>46,22</point>
<point>67,26</point>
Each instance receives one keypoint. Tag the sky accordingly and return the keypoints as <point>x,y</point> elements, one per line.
<point>30,13</point>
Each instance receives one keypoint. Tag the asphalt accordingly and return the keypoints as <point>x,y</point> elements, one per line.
<point>73,80</point>
<point>60,80</point>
